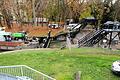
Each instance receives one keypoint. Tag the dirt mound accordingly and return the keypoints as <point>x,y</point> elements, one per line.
<point>36,31</point>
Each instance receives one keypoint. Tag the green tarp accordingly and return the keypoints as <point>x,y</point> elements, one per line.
<point>18,35</point>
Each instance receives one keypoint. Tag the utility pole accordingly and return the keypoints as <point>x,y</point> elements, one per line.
<point>34,14</point>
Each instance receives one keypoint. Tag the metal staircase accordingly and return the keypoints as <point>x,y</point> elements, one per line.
<point>92,38</point>
<point>86,37</point>
<point>83,23</point>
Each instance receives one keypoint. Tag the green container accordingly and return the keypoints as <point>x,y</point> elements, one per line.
<point>18,35</point>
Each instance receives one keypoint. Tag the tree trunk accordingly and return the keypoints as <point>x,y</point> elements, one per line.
<point>34,14</point>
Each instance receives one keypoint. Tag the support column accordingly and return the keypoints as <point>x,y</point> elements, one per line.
<point>119,35</point>
<point>110,40</point>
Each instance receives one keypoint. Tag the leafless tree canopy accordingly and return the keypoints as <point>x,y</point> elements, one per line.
<point>56,10</point>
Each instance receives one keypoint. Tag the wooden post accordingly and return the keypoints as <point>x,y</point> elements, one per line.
<point>78,75</point>
<point>110,40</point>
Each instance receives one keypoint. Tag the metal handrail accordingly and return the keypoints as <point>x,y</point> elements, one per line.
<point>29,68</point>
<point>91,37</point>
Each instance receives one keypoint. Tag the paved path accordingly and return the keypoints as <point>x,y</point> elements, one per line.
<point>43,49</point>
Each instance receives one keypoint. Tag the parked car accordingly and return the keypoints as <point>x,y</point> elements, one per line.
<point>54,26</point>
<point>5,36</point>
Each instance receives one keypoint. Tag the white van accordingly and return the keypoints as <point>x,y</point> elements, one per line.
<point>2,34</point>
<point>2,38</point>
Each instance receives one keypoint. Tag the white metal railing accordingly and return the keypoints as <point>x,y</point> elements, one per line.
<point>22,71</point>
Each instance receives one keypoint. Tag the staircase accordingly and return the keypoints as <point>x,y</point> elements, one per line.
<point>92,38</point>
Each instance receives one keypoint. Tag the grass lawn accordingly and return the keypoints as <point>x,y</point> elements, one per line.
<point>95,63</point>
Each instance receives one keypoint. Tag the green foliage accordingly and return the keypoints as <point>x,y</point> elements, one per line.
<point>108,13</point>
<point>95,63</point>
<point>52,13</point>
<point>86,13</point>
<point>55,11</point>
